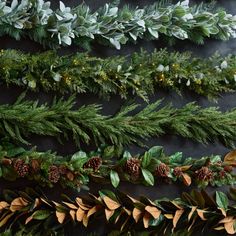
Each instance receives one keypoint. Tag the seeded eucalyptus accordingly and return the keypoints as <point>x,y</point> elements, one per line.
<point>111,25</point>
<point>142,74</point>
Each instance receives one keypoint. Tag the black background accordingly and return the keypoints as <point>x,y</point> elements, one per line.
<point>171,143</point>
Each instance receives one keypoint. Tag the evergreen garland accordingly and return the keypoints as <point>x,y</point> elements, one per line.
<point>112,25</point>
<point>117,75</point>
<point>86,124</point>
<point>102,166</point>
<point>189,213</point>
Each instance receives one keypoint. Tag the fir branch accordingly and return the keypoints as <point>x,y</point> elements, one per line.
<point>102,166</point>
<point>141,75</point>
<point>193,211</point>
<point>87,124</point>
<point>111,25</point>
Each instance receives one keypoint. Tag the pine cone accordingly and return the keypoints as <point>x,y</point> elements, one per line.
<point>178,171</point>
<point>228,169</point>
<point>21,167</point>
<point>162,170</point>
<point>63,170</point>
<point>93,163</point>
<point>54,174</point>
<point>204,174</point>
<point>133,168</point>
<point>35,164</point>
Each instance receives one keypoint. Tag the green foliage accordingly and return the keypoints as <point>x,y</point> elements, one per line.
<point>111,25</point>
<point>140,75</point>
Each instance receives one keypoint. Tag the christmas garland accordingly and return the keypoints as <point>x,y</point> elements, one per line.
<point>75,172</point>
<point>112,25</point>
<point>193,211</point>
<point>86,123</point>
<point>117,75</point>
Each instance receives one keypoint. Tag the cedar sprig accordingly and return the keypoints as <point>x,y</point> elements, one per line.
<point>191,211</point>
<point>103,166</point>
<point>113,25</point>
<point>87,124</point>
<point>140,75</point>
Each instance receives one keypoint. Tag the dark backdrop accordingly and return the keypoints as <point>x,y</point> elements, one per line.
<point>170,143</point>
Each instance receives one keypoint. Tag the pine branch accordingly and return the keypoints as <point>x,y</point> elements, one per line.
<point>111,25</point>
<point>194,211</point>
<point>102,166</point>
<point>87,124</point>
<point>141,75</point>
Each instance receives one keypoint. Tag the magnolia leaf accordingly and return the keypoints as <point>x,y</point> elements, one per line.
<point>185,168</point>
<point>80,214</point>
<point>115,180</point>
<point>18,204</point>
<point>85,220</point>
<point>169,216</point>
<point>6,218</point>
<point>28,219</point>
<point>222,200</point>
<point>136,214</point>
<point>111,204</point>
<point>186,179</point>
<point>60,216</point>
<point>177,216</point>
<point>3,205</point>
<point>201,214</point>
<point>230,158</point>
<point>109,213</point>
<point>70,205</point>
<point>156,151</point>
<point>194,208</point>
<point>148,177</point>
<point>72,214</point>
<point>146,219</point>
<point>153,211</point>
<point>41,214</point>
<point>146,159</point>
<point>92,211</point>
<point>229,227</point>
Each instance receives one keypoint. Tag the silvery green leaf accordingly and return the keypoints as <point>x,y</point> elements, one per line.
<point>62,6</point>
<point>160,68</point>
<point>154,33</point>
<point>224,65</point>
<point>167,68</point>
<point>6,10</point>
<point>188,83</point>
<point>235,77</point>
<point>179,33</point>
<point>113,11</point>
<point>141,23</point>
<point>18,25</point>
<point>119,67</point>
<point>32,84</point>
<point>58,17</point>
<point>57,77</point>
<point>185,3</point>
<point>188,16</point>
<point>115,43</point>
<point>133,36</point>
<point>14,4</point>
<point>66,39</point>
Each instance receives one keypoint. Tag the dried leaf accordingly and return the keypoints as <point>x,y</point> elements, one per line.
<point>146,219</point>
<point>60,216</point>
<point>194,208</point>
<point>219,228</point>
<point>79,215</point>
<point>5,219</point>
<point>70,205</point>
<point>127,211</point>
<point>72,213</point>
<point>184,168</point>
<point>153,211</point>
<point>92,211</point>
<point>223,211</point>
<point>28,219</point>
<point>186,179</point>
<point>45,201</point>
<point>169,216</point>
<point>3,205</point>
<point>227,220</point>
<point>81,204</point>
<point>176,204</point>
<point>177,216</point>
<point>136,214</point>
<point>111,204</point>
<point>201,214</point>
<point>85,220</point>
<point>109,213</point>
<point>229,227</point>
<point>230,158</point>
<point>18,204</point>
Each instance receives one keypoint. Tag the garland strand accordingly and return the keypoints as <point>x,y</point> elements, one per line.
<point>113,25</point>
<point>87,124</point>
<point>192,211</point>
<point>116,75</point>
<point>47,168</point>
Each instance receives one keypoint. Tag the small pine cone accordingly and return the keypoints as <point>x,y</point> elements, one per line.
<point>54,174</point>
<point>93,163</point>
<point>178,171</point>
<point>132,167</point>
<point>35,164</point>
<point>62,170</point>
<point>228,169</point>
<point>21,167</point>
<point>204,174</point>
<point>162,170</point>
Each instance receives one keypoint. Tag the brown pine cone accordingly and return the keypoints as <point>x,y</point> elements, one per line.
<point>132,167</point>
<point>162,170</point>
<point>178,171</point>
<point>63,170</point>
<point>93,163</point>
<point>21,167</point>
<point>228,169</point>
<point>204,174</point>
<point>54,174</point>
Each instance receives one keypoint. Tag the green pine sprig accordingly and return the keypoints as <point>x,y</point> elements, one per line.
<point>140,75</point>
